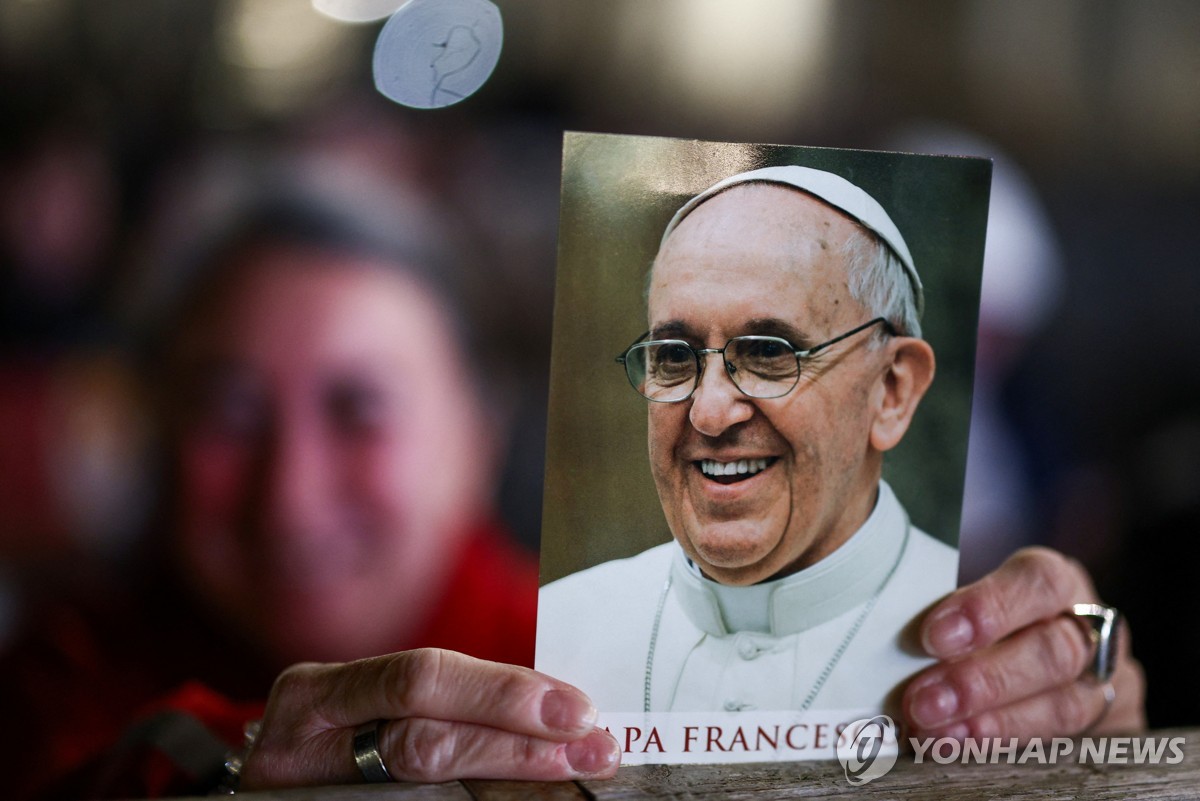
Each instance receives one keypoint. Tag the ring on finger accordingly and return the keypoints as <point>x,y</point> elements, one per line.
<point>1103,624</point>
<point>366,753</point>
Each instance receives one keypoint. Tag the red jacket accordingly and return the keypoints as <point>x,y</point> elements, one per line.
<point>87,690</point>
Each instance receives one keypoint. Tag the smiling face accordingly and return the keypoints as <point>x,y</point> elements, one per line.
<point>329,453</point>
<point>764,259</point>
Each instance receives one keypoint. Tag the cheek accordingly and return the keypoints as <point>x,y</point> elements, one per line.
<point>664,427</point>
<point>451,450</point>
<point>417,482</point>
<point>828,443</point>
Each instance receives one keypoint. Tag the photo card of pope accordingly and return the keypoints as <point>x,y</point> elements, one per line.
<point>759,402</point>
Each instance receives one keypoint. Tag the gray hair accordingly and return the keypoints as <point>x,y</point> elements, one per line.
<point>877,279</point>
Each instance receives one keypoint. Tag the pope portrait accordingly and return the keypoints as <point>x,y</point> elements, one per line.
<point>783,358</point>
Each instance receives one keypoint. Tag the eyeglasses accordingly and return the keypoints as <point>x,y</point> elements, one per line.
<point>669,370</point>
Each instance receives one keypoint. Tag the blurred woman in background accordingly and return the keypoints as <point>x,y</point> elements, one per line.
<point>330,464</point>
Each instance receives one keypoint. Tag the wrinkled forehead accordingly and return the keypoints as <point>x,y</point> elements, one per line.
<point>747,209</point>
<point>756,226</point>
<point>757,247</point>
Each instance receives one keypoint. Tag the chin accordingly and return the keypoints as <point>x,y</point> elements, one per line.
<point>733,562</point>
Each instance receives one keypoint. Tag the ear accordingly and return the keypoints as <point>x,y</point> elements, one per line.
<point>905,379</point>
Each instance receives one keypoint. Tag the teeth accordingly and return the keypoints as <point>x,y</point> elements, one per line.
<point>711,467</point>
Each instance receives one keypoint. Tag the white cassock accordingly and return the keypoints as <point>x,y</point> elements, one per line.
<point>826,637</point>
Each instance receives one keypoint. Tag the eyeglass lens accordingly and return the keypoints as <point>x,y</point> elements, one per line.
<point>669,370</point>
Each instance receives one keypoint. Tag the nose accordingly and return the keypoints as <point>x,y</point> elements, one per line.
<point>717,404</point>
<point>292,476</point>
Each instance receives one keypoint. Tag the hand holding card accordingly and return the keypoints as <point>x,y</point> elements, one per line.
<point>1015,665</point>
<point>442,716</point>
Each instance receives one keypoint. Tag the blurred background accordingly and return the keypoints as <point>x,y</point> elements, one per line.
<point>1086,429</point>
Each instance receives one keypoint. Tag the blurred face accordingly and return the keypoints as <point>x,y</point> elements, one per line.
<point>330,454</point>
<point>761,259</point>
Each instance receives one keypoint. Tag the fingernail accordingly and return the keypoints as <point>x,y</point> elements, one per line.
<point>934,705</point>
<point>596,753</point>
<point>949,634</point>
<point>563,710</point>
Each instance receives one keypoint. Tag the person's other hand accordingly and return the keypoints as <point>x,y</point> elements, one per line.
<point>1013,665</point>
<point>446,716</point>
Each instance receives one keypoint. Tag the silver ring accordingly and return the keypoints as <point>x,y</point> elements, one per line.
<point>1103,626</point>
<point>366,753</point>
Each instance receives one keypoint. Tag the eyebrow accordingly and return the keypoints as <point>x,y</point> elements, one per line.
<point>759,326</point>
<point>672,329</point>
<point>774,327</point>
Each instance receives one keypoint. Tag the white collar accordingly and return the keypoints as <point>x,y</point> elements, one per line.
<point>841,581</point>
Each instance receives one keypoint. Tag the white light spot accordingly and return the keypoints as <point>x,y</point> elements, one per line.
<point>357,10</point>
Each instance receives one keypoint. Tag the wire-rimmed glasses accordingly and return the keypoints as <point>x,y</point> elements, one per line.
<point>669,370</point>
